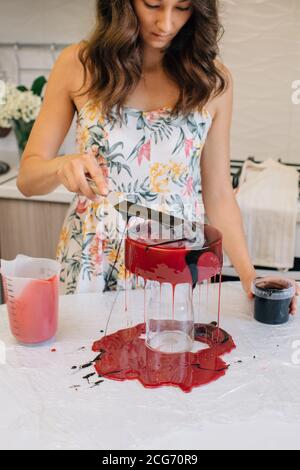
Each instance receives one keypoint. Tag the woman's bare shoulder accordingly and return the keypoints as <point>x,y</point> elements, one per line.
<point>70,67</point>
<point>216,101</point>
<point>70,55</point>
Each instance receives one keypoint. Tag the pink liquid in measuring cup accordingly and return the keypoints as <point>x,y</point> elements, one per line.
<point>33,315</point>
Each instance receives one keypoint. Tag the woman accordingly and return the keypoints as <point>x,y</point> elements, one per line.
<point>151,99</point>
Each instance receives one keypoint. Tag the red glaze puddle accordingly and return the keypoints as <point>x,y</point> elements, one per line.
<point>125,356</point>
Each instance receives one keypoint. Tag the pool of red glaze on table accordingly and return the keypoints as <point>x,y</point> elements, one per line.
<point>125,356</point>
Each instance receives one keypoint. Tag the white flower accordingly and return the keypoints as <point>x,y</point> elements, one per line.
<point>16,104</point>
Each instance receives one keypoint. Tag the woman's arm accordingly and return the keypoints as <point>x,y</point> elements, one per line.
<point>41,170</point>
<point>218,196</point>
<point>39,164</point>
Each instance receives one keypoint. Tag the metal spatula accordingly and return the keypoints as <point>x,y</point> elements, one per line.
<point>130,209</point>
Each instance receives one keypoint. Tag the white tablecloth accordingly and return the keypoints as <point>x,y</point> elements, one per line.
<point>256,405</point>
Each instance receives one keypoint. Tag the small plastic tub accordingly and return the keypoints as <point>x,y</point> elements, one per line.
<point>273,297</point>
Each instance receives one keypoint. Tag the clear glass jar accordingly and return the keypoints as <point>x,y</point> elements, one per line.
<point>169,318</point>
<point>171,266</point>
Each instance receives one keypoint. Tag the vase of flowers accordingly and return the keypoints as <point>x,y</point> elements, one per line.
<point>19,108</point>
<point>4,132</point>
<point>22,132</point>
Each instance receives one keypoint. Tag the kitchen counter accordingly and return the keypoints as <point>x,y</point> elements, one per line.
<point>8,187</point>
<point>9,190</point>
<point>47,404</point>
<point>8,184</point>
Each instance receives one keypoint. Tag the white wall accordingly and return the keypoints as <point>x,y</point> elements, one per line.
<point>40,21</point>
<point>45,20</point>
<point>261,47</point>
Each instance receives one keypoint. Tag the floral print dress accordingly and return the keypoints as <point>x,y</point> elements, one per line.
<point>152,158</point>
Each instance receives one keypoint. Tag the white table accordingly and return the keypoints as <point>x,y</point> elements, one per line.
<point>256,405</point>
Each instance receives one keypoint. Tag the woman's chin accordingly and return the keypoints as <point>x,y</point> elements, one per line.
<point>156,43</point>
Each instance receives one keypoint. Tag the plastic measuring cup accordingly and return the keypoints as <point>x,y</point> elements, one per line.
<point>31,292</point>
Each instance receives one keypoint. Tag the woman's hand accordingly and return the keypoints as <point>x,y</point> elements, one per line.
<point>294,304</point>
<point>73,171</point>
<point>247,282</point>
<point>247,288</point>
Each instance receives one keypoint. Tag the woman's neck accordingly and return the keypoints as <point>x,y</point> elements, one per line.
<point>152,60</point>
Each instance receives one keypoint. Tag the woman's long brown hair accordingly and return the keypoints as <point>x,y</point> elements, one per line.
<point>113,56</point>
